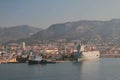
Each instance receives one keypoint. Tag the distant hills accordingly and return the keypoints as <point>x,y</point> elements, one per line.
<point>94,31</point>
<point>85,30</point>
<point>17,32</point>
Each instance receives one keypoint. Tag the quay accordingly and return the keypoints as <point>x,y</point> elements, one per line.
<point>110,55</point>
<point>5,61</point>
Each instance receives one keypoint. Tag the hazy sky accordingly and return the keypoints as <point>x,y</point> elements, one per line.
<point>43,13</point>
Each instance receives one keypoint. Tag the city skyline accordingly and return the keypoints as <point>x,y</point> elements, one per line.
<point>42,14</point>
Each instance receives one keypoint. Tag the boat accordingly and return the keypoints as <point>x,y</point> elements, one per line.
<point>36,59</point>
<point>86,52</point>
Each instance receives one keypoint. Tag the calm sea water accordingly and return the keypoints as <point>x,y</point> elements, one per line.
<point>102,69</point>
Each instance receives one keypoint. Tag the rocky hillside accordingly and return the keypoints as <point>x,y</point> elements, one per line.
<point>17,32</point>
<point>85,30</point>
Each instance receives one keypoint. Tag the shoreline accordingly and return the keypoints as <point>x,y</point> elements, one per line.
<point>61,61</point>
<point>109,55</point>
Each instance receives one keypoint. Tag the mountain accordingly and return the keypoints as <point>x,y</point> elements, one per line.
<point>17,32</point>
<point>84,30</point>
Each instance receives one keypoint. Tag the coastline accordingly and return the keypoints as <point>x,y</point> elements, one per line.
<point>60,61</point>
<point>109,55</point>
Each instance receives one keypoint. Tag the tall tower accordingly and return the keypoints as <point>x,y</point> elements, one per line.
<point>23,46</point>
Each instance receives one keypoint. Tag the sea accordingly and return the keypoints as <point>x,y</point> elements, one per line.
<point>97,69</point>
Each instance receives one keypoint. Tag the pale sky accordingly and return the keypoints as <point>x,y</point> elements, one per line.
<point>43,13</point>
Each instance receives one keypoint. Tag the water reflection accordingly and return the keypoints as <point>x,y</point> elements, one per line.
<point>89,70</point>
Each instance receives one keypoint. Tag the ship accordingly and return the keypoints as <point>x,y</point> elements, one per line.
<point>37,59</point>
<point>85,52</point>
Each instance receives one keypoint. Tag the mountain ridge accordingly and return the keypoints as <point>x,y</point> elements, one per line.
<point>85,30</point>
<point>17,32</point>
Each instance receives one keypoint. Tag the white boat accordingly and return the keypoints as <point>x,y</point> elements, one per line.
<point>86,53</point>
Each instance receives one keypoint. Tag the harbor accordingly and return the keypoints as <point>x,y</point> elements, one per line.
<point>50,53</point>
<point>57,52</point>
